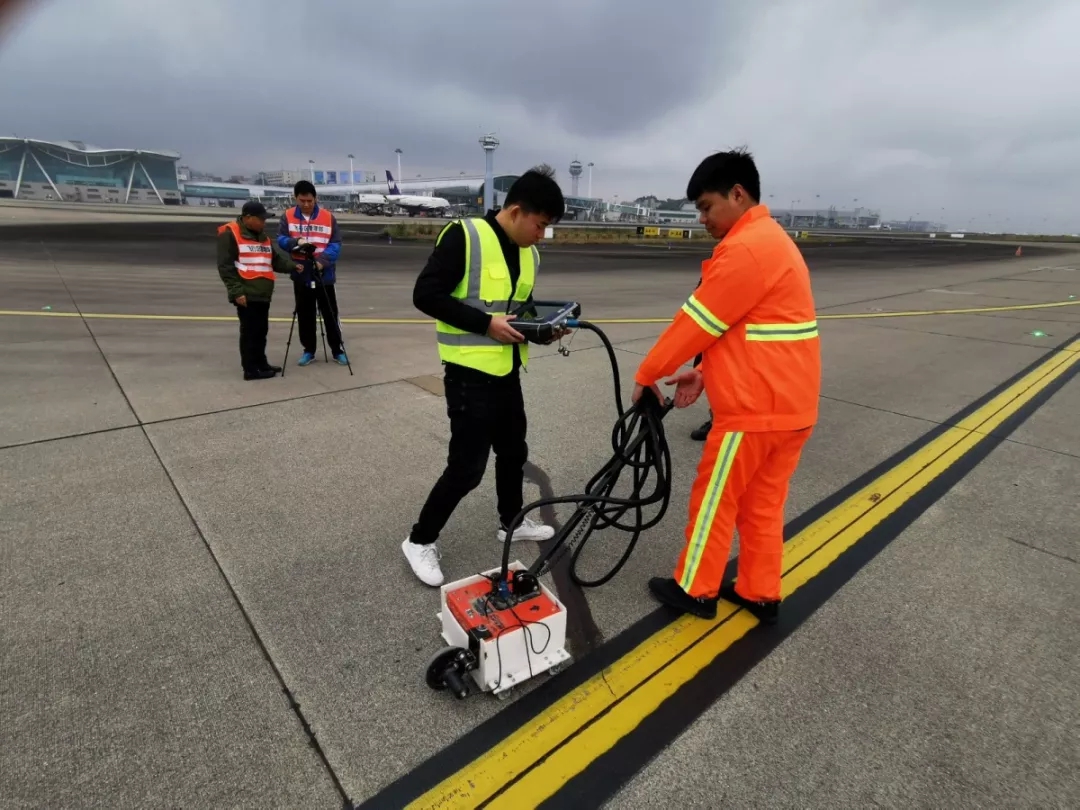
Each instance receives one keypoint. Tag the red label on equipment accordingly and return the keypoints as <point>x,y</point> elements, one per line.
<point>474,606</point>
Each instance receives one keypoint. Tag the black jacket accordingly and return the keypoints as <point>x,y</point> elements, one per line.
<point>444,270</point>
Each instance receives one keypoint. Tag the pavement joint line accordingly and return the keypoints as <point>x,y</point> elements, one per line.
<point>1041,550</point>
<point>1006,277</point>
<point>834,316</point>
<point>547,758</point>
<point>327,392</point>
<point>618,347</point>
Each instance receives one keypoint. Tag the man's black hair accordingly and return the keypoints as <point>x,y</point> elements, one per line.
<point>537,192</point>
<point>304,187</point>
<point>722,172</point>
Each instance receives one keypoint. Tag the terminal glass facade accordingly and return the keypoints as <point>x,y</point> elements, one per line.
<point>37,170</point>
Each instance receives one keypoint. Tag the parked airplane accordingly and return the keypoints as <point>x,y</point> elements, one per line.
<point>414,203</point>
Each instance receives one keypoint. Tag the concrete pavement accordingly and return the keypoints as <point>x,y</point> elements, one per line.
<point>205,602</point>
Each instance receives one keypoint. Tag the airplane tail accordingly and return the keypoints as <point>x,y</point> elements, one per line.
<point>390,184</point>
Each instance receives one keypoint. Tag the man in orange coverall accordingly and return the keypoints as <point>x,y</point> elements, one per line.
<point>753,320</point>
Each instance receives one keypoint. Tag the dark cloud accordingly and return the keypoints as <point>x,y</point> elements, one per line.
<point>910,107</point>
<point>598,69</point>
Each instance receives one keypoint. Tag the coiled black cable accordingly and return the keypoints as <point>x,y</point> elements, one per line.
<point>638,443</point>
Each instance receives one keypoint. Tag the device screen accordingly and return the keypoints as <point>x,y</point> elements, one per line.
<point>542,312</point>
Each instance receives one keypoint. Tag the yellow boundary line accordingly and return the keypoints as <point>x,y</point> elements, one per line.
<point>388,321</point>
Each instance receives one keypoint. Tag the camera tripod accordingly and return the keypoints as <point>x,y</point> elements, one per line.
<point>314,273</point>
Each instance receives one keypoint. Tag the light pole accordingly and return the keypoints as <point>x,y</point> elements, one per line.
<point>352,174</point>
<point>490,143</point>
<point>312,164</point>
<point>398,153</point>
<point>590,179</point>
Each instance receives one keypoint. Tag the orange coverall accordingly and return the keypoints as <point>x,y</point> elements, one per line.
<point>753,320</point>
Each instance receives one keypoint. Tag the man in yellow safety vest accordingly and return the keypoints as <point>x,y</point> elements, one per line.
<point>481,270</point>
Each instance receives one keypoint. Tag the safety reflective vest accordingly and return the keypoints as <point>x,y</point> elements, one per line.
<point>316,230</point>
<point>254,258</point>
<point>486,286</point>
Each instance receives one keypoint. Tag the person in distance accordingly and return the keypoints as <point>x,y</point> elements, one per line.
<point>753,320</point>
<point>480,270</point>
<point>247,259</point>
<point>307,223</point>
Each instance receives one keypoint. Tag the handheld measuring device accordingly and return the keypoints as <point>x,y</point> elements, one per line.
<point>541,321</point>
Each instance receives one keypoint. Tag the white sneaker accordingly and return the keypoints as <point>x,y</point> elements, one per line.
<point>528,530</point>
<point>424,561</point>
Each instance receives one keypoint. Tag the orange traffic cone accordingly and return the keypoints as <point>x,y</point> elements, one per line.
<point>1019,251</point>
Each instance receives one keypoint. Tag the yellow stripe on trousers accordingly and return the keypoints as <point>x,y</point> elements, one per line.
<point>710,503</point>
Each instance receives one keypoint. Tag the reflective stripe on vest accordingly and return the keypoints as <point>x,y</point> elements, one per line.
<point>254,259</point>
<point>782,331</point>
<point>317,230</point>
<point>485,287</point>
<point>754,331</point>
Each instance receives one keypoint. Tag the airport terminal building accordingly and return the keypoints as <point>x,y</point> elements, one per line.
<point>74,171</point>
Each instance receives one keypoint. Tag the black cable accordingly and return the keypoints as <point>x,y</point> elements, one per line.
<point>638,443</point>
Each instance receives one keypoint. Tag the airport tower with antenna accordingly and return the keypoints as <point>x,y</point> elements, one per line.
<point>490,144</point>
<point>575,173</point>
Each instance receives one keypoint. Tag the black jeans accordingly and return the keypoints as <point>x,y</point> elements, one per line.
<point>485,413</point>
<point>254,324</point>
<point>306,301</point>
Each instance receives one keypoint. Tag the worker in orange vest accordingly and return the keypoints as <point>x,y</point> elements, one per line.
<point>247,259</point>
<point>753,320</point>
<point>308,223</point>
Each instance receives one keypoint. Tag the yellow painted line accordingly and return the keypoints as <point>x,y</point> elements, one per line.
<point>569,735</point>
<point>232,318</point>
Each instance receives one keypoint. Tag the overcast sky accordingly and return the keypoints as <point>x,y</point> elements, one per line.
<point>957,108</point>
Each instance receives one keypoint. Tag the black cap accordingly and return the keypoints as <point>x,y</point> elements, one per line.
<point>253,208</point>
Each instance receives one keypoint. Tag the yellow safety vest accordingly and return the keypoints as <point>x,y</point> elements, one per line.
<point>486,286</point>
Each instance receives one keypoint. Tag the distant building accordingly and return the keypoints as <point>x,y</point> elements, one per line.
<point>826,217</point>
<point>282,178</point>
<point>78,172</point>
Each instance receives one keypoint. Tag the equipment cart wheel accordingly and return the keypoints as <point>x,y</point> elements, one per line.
<point>446,670</point>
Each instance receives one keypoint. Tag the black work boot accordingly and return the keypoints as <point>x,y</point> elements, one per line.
<point>667,590</point>
<point>261,374</point>
<point>701,433</point>
<point>764,612</point>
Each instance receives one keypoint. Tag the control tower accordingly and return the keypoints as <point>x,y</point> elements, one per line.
<point>490,143</point>
<point>575,173</point>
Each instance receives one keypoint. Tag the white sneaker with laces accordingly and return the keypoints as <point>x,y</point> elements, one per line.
<point>528,530</point>
<point>424,560</point>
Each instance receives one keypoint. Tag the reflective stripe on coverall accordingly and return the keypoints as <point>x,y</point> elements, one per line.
<point>752,318</point>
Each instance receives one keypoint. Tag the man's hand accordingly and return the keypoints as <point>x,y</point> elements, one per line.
<point>639,391</point>
<point>241,300</point>
<point>499,329</point>
<point>560,333</point>
<point>320,265</point>
<point>299,268</point>
<point>689,384</point>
